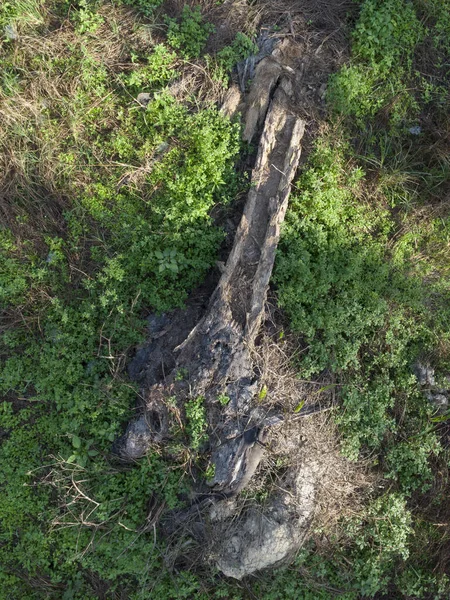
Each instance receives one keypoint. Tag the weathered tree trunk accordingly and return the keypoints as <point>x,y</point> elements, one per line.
<point>216,354</point>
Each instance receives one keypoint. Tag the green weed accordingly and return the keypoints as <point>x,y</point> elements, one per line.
<point>157,73</point>
<point>145,7</point>
<point>190,34</point>
<point>126,228</point>
<point>223,399</point>
<point>196,422</point>
<point>88,20</point>
<point>227,58</point>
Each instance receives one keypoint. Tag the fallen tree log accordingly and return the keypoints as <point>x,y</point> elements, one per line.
<point>217,352</point>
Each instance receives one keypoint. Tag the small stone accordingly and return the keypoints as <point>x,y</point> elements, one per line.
<point>163,147</point>
<point>323,91</point>
<point>415,130</point>
<point>149,428</point>
<point>440,401</point>
<point>144,98</point>
<point>156,323</point>
<point>425,375</point>
<point>51,256</point>
<point>222,510</point>
<point>10,32</point>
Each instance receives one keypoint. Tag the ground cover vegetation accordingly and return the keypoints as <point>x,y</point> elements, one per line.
<point>106,215</point>
<point>363,275</point>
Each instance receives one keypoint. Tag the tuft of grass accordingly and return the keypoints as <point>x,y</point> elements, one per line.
<point>196,422</point>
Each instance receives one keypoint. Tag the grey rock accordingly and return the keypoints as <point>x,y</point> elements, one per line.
<point>136,440</point>
<point>51,257</point>
<point>148,429</point>
<point>162,148</point>
<point>265,539</point>
<point>222,510</point>
<point>10,32</point>
<point>424,374</point>
<point>144,98</point>
<point>438,400</point>
<point>236,460</point>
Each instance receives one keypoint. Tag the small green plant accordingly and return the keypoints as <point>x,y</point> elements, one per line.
<point>157,73</point>
<point>181,374</point>
<point>262,393</point>
<point>145,7</point>
<point>9,81</point>
<point>386,33</point>
<point>167,260</point>
<point>225,60</point>
<point>210,472</point>
<point>88,20</point>
<point>439,14</point>
<point>82,451</point>
<point>190,34</point>
<point>223,399</point>
<point>196,422</point>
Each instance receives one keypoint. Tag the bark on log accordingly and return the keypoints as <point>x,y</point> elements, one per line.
<point>216,353</point>
<point>217,356</point>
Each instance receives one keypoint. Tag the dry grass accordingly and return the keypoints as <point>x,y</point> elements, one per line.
<point>46,108</point>
<point>39,115</point>
<point>344,485</point>
<point>196,86</point>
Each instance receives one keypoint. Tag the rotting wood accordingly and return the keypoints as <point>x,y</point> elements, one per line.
<point>218,357</point>
<point>216,354</point>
